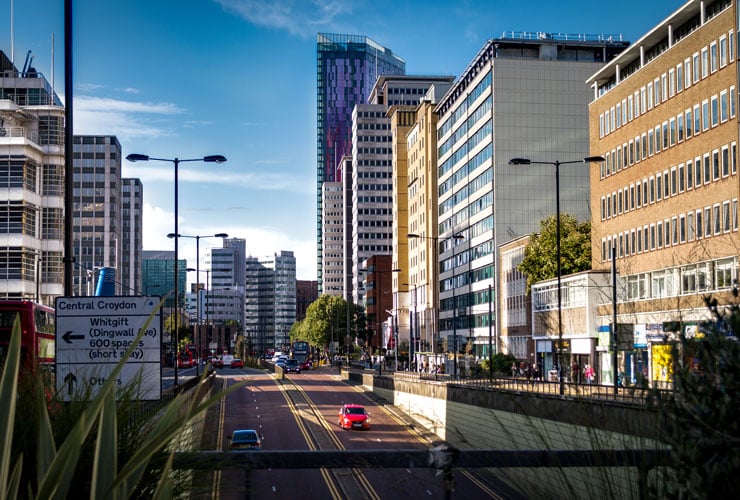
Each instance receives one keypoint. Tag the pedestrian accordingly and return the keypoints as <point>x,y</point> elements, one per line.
<point>588,372</point>
<point>574,372</point>
<point>514,369</point>
<point>535,372</point>
<point>528,373</point>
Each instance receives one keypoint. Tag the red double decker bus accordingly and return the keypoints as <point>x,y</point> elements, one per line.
<point>38,334</point>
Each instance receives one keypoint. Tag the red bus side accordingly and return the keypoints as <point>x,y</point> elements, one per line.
<point>38,334</point>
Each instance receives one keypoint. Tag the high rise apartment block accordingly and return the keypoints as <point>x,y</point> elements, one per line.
<point>665,201</point>
<point>32,182</point>
<point>347,67</point>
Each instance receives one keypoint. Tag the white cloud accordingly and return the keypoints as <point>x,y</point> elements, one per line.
<point>260,242</point>
<point>296,17</point>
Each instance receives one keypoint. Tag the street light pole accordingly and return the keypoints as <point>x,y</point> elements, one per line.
<point>556,164</point>
<point>134,157</point>
<point>436,278</point>
<point>197,238</point>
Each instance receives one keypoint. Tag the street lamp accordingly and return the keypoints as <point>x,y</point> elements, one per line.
<point>197,238</point>
<point>556,164</point>
<point>134,157</point>
<point>435,276</point>
<point>413,327</point>
<point>379,309</point>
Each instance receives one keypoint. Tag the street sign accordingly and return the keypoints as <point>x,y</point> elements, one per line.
<point>92,337</point>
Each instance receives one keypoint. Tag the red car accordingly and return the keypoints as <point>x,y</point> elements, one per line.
<point>237,363</point>
<point>218,363</point>
<point>353,417</point>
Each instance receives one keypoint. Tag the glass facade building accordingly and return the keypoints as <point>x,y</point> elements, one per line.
<point>347,67</point>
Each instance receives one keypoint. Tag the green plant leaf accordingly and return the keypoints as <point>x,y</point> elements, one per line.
<point>8,396</point>
<point>106,451</point>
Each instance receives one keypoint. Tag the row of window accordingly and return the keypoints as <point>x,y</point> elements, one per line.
<point>720,274</point>
<point>693,121</point>
<point>693,174</point>
<point>714,220</point>
<point>717,55</point>
<point>373,151</point>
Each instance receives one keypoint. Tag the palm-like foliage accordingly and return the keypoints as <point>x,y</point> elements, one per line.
<point>57,466</point>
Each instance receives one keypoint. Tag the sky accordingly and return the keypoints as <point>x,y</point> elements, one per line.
<point>237,78</point>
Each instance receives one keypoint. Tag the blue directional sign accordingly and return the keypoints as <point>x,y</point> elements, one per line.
<point>93,335</point>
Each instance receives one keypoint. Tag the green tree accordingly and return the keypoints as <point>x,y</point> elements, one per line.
<point>326,319</point>
<point>540,255</point>
<point>699,418</point>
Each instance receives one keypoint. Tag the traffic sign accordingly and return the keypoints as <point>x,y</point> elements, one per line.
<point>93,335</point>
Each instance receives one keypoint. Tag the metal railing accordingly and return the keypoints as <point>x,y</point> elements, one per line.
<point>630,394</point>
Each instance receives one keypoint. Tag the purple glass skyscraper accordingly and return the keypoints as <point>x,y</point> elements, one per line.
<point>347,67</point>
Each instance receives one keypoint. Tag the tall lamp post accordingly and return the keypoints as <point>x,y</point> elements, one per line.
<point>134,157</point>
<point>556,164</point>
<point>413,327</point>
<point>435,276</point>
<point>379,309</point>
<point>197,238</point>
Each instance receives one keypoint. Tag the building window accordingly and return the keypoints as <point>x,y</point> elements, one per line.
<point>681,178</point>
<point>713,57</point>
<point>714,110</point>
<point>689,174</point>
<point>695,67</point>
<point>689,123</point>
<point>723,107</point>
<point>725,273</point>
<point>699,224</point>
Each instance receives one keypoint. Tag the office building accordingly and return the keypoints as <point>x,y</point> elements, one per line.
<point>531,85</point>
<point>372,168</point>
<point>97,212</point>
<point>132,200</point>
<point>665,202</point>
<point>32,181</point>
<point>158,276</point>
<point>333,246</point>
<point>421,263</point>
<point>347,67</point>
<point>306,292</point>
<point>270,300</point>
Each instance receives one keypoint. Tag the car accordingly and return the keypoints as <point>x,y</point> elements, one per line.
<point>292,365</point>
<point>237,363</point>
<point>281,361</point>
<point>218,363</point>
<point>353,416</point>
<point>277,356</point>
<point>245,439</point>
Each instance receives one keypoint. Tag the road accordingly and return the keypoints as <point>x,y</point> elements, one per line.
<point>300,413</point>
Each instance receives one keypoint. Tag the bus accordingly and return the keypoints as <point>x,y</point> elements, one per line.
<point>185,359</point>
<point>301,351</point>
<point>38,333</point>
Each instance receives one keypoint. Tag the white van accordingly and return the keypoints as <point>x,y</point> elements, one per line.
<point>277,356</point>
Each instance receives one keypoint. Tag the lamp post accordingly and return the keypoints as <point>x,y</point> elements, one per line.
<point>435,275</point>
<point>379,309</point>
<point>197,238</point>
<point>413,327</point>
<point>556,164</point>
<point>134,157</point>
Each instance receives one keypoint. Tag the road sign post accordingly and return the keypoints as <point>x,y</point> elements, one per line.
<point>93,335</point>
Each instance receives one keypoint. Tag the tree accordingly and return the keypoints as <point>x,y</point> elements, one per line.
<point>540,255</point>
<point>699,418</point>
<point>326,320</point>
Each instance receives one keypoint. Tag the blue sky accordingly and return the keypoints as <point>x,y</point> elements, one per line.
<point>238,77</point>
